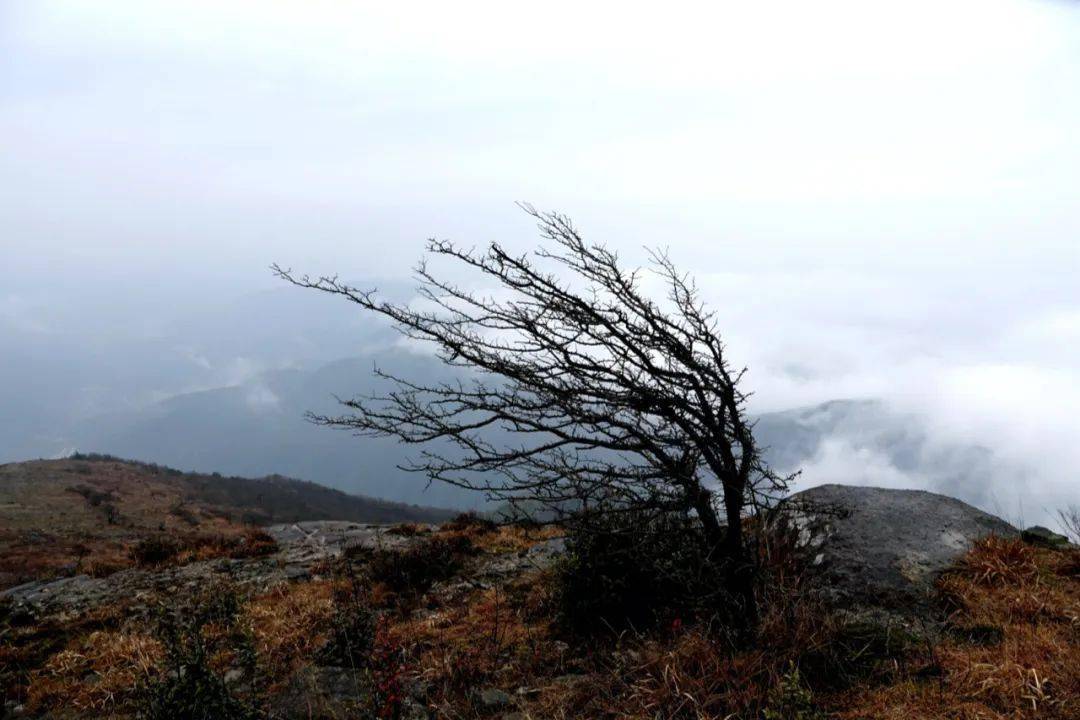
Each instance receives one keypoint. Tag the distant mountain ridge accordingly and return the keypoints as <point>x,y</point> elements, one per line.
<point>258,428</point>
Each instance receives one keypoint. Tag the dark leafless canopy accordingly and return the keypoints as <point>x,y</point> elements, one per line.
<point>1069,518</point>
<point>579,390</point>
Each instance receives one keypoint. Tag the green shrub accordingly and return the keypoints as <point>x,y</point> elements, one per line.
<point>92,495</point>
<point>352,626</point>
<point>112,514</point>
<point>183,512</point>
<point>790,699</point>
<point>256,543</point>
<point>408,530</point>
<point>190,688</point>
<point>979,634</point>
<point>859,649</point>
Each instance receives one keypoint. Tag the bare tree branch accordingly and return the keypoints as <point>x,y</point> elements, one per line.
<point>582,390</point>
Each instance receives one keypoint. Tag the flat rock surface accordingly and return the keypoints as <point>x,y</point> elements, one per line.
<point>77,594</point>
<point>301,548</point>
<point>883,548</point>
<point>317,539</point>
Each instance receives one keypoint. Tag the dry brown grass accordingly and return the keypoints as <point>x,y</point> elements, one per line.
<point>697,672</point>
<point>504,637</point>
<point>33,556</point>
<point>102,669</point>
<point>1034,672</point>
<point>999,561</point>
<point>290,624</point>
<point>245,543</point>
<point>409,530</point>
<point>495,636</point>
<point>64,517</point>
<point>1030,596</point>
<point>475,633</point>
<point>498,539</point>
<point>98,671</point>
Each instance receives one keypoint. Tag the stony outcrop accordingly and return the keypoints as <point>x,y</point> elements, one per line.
<point>303,548</point>
<point>882,549</point>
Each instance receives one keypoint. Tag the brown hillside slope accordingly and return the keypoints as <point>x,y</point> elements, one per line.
<point>86,514</point>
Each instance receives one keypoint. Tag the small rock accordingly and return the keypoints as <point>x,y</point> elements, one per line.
<point>297,572</point>
<point>494,698</point>
<point>418,690</point>
<point>233,675</point>
<point>413,710</point>
<point>1044,537</point>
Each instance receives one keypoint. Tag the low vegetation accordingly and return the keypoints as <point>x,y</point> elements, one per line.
<point>427,625</point>
<point>160,550</point>
<point>411,572</point>
<point>635,571</point>
<point>618,420</point>
<point>199,639</point>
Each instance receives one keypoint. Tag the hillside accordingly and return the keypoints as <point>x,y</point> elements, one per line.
<point>86,512</point>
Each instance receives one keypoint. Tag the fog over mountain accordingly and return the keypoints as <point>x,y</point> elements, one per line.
<point>255,426</point>
<point>881,201</point>
<point>226,389</point>
<point>258,428</point>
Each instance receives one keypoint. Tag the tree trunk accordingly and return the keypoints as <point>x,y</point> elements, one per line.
<point>740,569</point>
<point>714,531</point>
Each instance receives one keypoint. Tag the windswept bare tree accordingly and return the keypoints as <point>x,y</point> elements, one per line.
<point>581,391</point>
<point>1069,518</point>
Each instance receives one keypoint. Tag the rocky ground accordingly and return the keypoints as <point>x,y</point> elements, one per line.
<point>924,606</point>
<point>304,549</point>
<point>307,560</point>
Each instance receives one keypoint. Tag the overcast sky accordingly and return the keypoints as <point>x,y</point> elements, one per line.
<point>882,198</point>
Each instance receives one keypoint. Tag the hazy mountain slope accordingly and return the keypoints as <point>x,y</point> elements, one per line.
<point>100,356</point>
<point>257,428</point>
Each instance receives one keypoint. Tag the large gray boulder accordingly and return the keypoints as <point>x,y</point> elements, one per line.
<point>882,549</point>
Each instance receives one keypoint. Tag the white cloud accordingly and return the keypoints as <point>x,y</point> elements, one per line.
<point>839,461</point>
<point>260,398</point>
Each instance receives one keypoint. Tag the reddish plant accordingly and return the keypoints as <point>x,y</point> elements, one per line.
<point>386,668</point>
